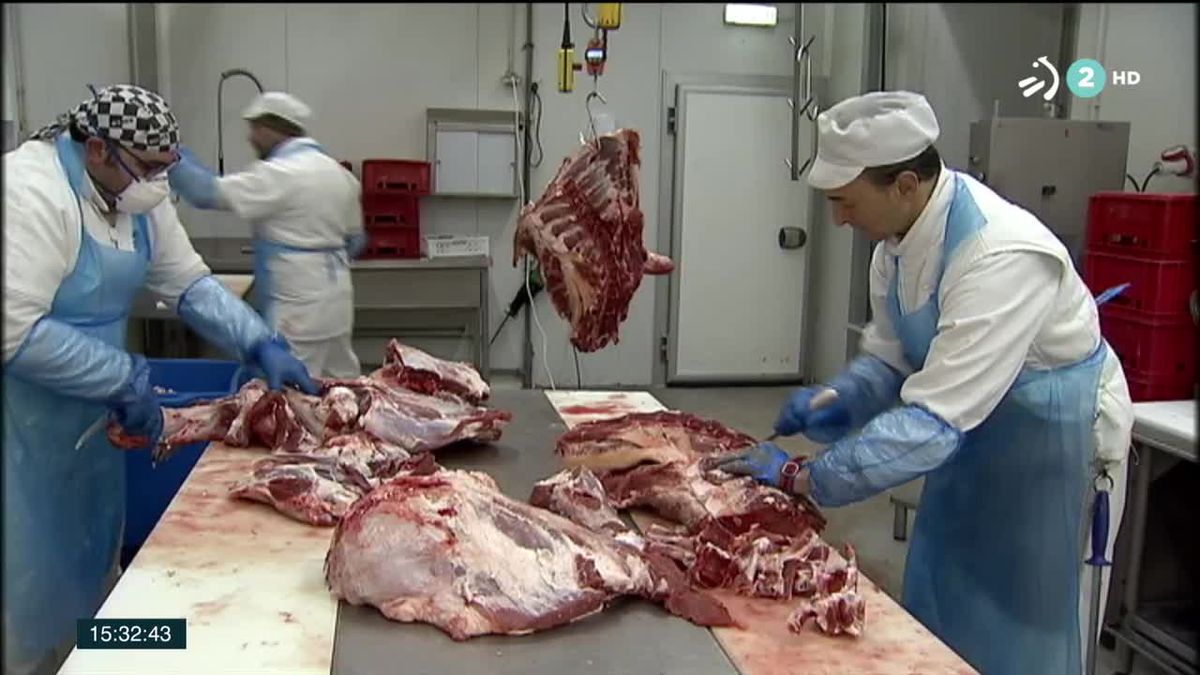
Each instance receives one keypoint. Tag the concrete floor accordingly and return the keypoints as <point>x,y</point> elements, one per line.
<point>867,525</point>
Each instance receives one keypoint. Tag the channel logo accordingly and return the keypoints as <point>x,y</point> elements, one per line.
<point>1033,84</point>
<point>1085,78</point>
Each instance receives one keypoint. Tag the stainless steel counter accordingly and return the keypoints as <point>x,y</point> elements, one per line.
<point>415,298</point>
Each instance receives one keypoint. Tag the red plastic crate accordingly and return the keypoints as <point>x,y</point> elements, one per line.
<point>1161,226</point>
<point>1144,388</point>
<point>1158,287</point>
<point>406,206</point>
<point>395,176</point>
<point>1161,349</point>
<point>392,220</point>
<point>393,243</point>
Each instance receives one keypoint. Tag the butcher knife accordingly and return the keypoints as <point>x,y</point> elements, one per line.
<point>91,430</point>
<point>817,402</point>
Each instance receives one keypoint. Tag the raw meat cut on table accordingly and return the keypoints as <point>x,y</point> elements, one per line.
<point>659,437</point>
<point>578,496</point>
<point>689,495</point>
<point>736,533</point>
<point>838,609</point>
<point>329,450</point>
<point>417,371</point>
<point>289,421</point>
<point>660,460</point>
<point>451,550</point>
<point>317,489</point>
<point>586,233</point>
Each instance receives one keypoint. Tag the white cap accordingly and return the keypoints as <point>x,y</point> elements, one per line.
<point>279,104</point>
<point>875,129</point>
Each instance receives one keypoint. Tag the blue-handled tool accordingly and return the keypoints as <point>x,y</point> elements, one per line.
<point>1111,293</point>
<point>1098,561</point>
<point>821,400</point>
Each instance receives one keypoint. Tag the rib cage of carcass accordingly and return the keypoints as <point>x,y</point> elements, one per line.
<point>586,233</point>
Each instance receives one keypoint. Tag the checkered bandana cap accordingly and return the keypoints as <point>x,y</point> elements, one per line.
<point>136,118</point>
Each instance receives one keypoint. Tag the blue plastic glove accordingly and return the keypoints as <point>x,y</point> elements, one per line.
<point>136,407</point>
<point>763,463</point>
<point>894,448</point>
<point>222,319</point>
<point>67,361</point>
<point>194,181</point>
<point>867,387</point>
<point>356,244</point>
<point>281,368</point>
<point>798,416</point>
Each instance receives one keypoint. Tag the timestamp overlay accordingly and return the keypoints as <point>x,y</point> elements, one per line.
<point>131,634</point>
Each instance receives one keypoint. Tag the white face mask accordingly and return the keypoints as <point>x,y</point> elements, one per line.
<point>143,195</point>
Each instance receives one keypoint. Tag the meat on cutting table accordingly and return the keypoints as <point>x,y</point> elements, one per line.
<point>451,550</point>
<point>318,489</point>
<point>417,371</point>
<point>586,233</point>
<point>734,533</point>
<point>658,437</point>
<point>289,421</point>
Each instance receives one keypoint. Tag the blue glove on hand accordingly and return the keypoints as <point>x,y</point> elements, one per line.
<point>281,368</point>
<point>825,424</point>
<point>194,181</point>
<point>136,406</point>
<point>763,463</point>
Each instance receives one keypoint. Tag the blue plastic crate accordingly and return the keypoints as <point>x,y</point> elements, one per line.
<point>150,489</point>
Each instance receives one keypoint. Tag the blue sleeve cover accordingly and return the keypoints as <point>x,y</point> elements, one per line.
<point>196,183</point>
<point>894,448</point>
<point>65,360</point>
<point>868,386</point>
<point>219,317</point>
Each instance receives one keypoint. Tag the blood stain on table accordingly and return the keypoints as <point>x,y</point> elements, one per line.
<point>589,409</point>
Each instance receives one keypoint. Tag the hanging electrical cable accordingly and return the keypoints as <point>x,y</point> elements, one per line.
<point>528,291</point>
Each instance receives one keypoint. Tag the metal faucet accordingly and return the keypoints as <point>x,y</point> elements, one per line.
<point>220,88</point>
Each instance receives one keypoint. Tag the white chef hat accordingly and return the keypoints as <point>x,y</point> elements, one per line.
<point>875,129</point>
<point>281,105</point>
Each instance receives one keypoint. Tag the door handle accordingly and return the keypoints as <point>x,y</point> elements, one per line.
<point>792,238</point>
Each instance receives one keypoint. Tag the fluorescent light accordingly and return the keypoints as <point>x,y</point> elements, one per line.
<point>751,15</point>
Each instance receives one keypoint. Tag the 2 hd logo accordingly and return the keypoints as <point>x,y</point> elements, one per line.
<point>1085,78</point>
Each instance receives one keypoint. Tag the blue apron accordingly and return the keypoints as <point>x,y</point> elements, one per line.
<point>266,249</point>
<point>64,508</point>
<point>994,564</point>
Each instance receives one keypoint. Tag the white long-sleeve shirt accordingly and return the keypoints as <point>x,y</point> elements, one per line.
<point>303,199</point>
<point>1010,299</point>
<point>42,237</point>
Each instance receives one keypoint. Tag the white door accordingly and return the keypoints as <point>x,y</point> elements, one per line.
<point>738,295</point>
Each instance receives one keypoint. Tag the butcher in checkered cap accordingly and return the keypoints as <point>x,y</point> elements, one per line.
<point>86,226</point>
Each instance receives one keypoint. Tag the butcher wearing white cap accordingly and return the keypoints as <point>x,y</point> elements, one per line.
<point>982,371</point>
<point>307,220</point>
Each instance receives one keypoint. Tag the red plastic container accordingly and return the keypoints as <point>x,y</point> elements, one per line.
<point>1160,226</point>
<point>1160,349</point>
<point>406,207</point>
<point>1143,388</point>
<point>392,243</point>
<point>1159,287</point>
<point>392,221</point>
<point>395,176</point>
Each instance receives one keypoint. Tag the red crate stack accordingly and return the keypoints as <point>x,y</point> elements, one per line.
<point>1149,242</point>
<point>391,200</point>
